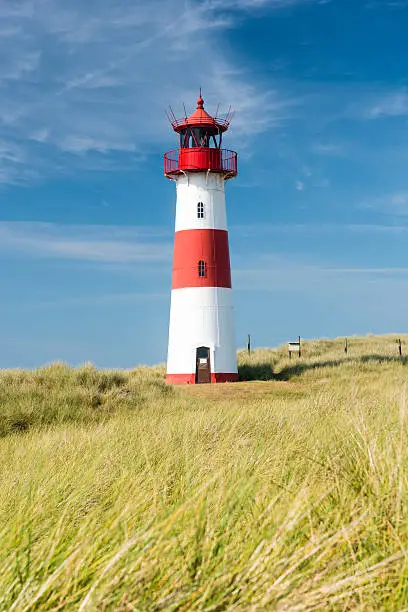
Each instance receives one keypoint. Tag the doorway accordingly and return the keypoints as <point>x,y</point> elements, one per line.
<point>203,365</point>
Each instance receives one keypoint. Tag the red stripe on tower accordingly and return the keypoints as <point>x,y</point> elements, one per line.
<point>201,259</point>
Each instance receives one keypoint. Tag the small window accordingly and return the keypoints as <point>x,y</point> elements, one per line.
<point>203,352</point>
<point>200,210</point>
<point>202,269</point>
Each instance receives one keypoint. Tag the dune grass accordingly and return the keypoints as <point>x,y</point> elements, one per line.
<point>120,493</point>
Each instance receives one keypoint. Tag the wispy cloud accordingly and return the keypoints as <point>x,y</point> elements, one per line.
<point>399,203</point>
<point>390,105</point>
<point>391,4</point>
<point>328,149</point>
<point>104,244</point>
<point>280,273</point>
<point>311,229</point>
<point>393,204</point>
<point>78,81</point>
<point>272,4</point>
<point>95,300</point>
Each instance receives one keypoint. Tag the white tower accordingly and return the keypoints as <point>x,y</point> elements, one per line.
<point>201,335</point>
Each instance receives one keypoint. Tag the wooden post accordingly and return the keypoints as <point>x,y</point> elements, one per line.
<point>345,346</point>
<point>249,344</point>
<point>399,347</point>
<point>299,347</point>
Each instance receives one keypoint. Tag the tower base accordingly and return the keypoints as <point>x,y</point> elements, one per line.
<point>190,379</point>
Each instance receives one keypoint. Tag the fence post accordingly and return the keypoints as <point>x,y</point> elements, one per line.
<point>300,354</point>
<point>399,347</point>
<point>345,346</point>
<point>249,344</point>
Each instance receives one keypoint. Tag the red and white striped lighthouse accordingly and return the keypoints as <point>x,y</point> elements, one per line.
<point>201,335</point>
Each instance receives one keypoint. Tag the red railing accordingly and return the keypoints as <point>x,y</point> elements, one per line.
<point>201,159</point>
<point>222,124</point>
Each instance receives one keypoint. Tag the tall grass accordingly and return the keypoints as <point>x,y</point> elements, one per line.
<point>58,395</point>
<point>119,493</point>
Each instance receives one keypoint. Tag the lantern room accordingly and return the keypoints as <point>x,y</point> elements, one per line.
<point>200,142</point>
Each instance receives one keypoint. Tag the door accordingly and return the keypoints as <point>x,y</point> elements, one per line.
<point>203,365</point>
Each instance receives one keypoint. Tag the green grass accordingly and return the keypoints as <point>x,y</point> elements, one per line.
<point>120,493</point>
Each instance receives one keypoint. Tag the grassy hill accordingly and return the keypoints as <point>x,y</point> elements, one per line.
<point>120,493</point>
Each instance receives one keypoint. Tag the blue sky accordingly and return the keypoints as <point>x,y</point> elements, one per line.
<point>318,215</point>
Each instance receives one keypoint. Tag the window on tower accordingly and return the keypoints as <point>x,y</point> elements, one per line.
<point>202,269</point>
<point>200,210</point>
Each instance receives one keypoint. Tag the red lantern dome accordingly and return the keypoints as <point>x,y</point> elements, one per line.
<point>200,149</point>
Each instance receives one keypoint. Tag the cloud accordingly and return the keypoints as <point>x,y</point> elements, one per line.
<point>270,4</point>
<point>382,229</point>
<point>328,149</point>
<point>78,82</point>
<point>399,203</point>
<point>391,4</point>
<point>15,166</point>
<point>391,105</point>
<point>280,273</point>
<point>392,203</point>
<point>80,144</point>
<point>103,244</point>
<point>259,231</point>
<point>103,299</point>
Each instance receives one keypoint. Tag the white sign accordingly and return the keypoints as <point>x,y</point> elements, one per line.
<point>293,347</point>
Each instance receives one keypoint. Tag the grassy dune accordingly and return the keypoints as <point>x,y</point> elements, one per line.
<point>120,493</point>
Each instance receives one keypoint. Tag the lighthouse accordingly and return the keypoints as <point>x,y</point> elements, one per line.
<point>201,332</point>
